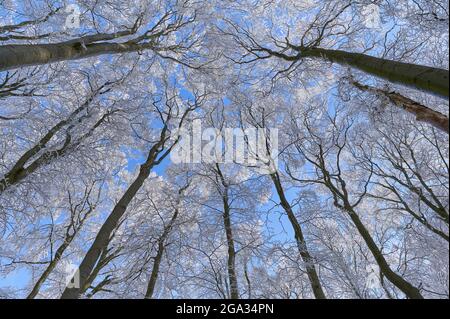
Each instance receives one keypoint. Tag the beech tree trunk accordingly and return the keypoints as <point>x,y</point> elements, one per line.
<point>234,290</point>
<point>103,237</point>
<point>428,79</point>
<point>231,262</point>
<point>20,55</point>
<point>159,254</point>
<point>407,288</point>
<point>301,243</point>
<point>155,271</point>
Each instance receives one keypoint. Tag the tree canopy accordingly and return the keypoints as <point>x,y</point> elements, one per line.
<point>275,149</point>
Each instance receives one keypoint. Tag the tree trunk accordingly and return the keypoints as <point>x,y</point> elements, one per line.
<point>428,79</point>
<point>407,288</point>
<point>421,112</point>
<point>20,55</point>
<point>155,271</point>
<point>103,237</point>
<point>161,247</point>
<point>301,243</point>
<point>231,262</point>
<point>231,251</point>
<point>50,267</point>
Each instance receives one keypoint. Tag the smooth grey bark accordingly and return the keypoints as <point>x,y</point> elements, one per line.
<point>421,112</point>
<point>231,261</point>
<point>105,258</point>
<point>157,153</point>
<point>300,239</point>
<point>19,55</point>
<point>428,79</point>
<point>425,78</point>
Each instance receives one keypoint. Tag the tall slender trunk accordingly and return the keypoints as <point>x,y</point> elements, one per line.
<point>102,240</point>
<point>156,155</point>
<point>103,237</point>
<point>428,79</point>
<point>155,271</point>
<point>300,239</point>
<point>247,278</point>
<point>50,267</point>
<point>105,258</point>
<point>159,254</point>
<point>19,55</point>
<point>231,262</point>
<point>407,288</point>
<point>421,112</point>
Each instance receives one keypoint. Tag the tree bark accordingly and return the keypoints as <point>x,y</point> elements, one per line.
<point>429,79</point>
<point>155,271</point>
<point>231,262</point>
<point>421,112</point>
<point>407,288</point>
<point>20,55</point>
<point>50,267</point>
<point>158,258</point>
<point>103,237</point>
<point>234,290</point>
<point>300,239</point>
<point>102,240</point>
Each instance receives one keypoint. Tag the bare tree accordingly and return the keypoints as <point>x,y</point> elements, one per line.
<point>133,39</point>
<point>79,213</point>
<point>332,178</point>
<point>158,152</point>
<point>162,245</point>
<point>327,25</point>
